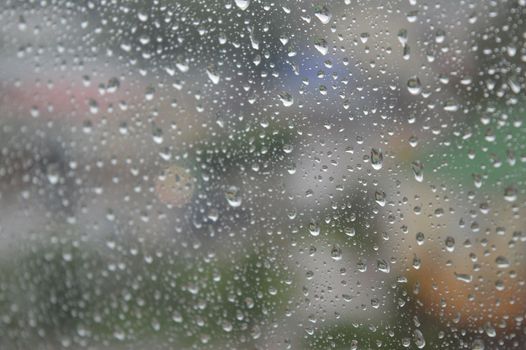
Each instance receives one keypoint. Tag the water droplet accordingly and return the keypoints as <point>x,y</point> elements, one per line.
<point>321,46</point>
<point>406,52</point>
<point>377,158</point>
<point>413,141</point>
<point>242,4</point>
<point>350,231</point>
<point>314,228</point>
<point>286,99</point>
<point>379,197</point>
<point>502,262</point>
<point>182,66</point>
<point>417,262</point>
<point>412,16</point>
<point>53,173</point>
<point>440,36</point>
<point>402,36</point>
<point>478,344</point>
<point>510,194</point>
<point>233,196</point>
<point>451,106</point>
<point>113,85</point>
<point>212,74</point>
<point>490,330</point>
<point>336,253</point>
<point>418,170</point>
<point>418,338</point>
<point>420,238</point>
<point>323,14</point>
<point>463,277</point>
<point>93,106</point>
<point>383,266</point>
<point>414,86</point>
<point>450,244</point>
<point>364,37</point>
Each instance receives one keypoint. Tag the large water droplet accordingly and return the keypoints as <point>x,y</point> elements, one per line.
<point>414,86</point>
<point>212,74</point>
<point>323,14</point>
<point>233,196</point>
<point>336,253</point>
<point>314,228</point>
<point>379,197</point>
<point>286,99</point>
<point>418,170</point>
<point>420,238</point>
<point>321,46</point>
<point>383,266</point>
<point>377,158</point>
<point>242,4</point>
<point>418,338</point>
<point>450,244</point>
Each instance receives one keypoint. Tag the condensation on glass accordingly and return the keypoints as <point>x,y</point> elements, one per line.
<point>242,174</point>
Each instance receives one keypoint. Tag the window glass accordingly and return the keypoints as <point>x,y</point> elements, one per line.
<point>257,174</point>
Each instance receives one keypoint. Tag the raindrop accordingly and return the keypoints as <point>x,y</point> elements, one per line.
<point>413,141</point>
<point>314,228</point>
<point>336,253</point>
<point>418,338</point>
<point>323,14</point>
<point>377,158</point>
<point>286,99</point>
<point>383,266</point>
<point>379,197</point>
<point>321,46</point>
<point>463,277</point>
<point>510,194</point>
<point>420,238</point>
<point>418,170</point>
<point>490,330</point>
<point>478,344</point>
<point>233,196</point>
<point>502,262</point>
<point>414,86</point>
<point>242,4</point>
<point>402,36</point>
<point>349,231</point>
<point>450,244</point>
<point>212,74</point>
<point>361,265</point>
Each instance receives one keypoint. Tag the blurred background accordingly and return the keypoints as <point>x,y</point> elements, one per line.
<point>242,174</point>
